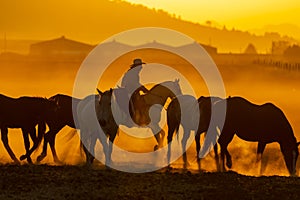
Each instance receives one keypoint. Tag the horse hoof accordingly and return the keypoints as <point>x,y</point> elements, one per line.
<point>16,162</point>
<point>229,165</point>
<point>155,147</point>
<point>23,157</point>
<point>169,168</point>
<point>58,162</point>
<point>40,157</point>
<point>38,160</point>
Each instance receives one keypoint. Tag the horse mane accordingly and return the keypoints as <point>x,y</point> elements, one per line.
<point>34,97</point>
<point>5,97</point>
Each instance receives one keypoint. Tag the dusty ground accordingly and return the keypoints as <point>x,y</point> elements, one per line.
<point>79,182</point>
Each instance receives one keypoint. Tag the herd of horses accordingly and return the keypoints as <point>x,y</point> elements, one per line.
<point>257,123</point>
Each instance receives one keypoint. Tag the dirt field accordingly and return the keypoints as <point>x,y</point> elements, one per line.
<point>79,182</point>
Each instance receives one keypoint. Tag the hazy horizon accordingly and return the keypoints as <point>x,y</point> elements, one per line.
<point>256,16</point>
<point>93,21</point>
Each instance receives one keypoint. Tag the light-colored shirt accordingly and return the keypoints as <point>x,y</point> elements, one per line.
<point>131,79</point>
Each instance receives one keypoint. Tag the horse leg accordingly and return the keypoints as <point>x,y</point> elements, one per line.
<point>32,134</point>
<point>51,140</point>
<point>93,140</point>
<point>260,149</point>
<point>217,157</point>
<point>84,138</point>
<point>197,140</point>
<point>224,140</point>
<point>159,138</point>
<point>228,159</point>
<point>171,130</point>
<point>186,135</point>
<point>110,146</point>
<point>36,140</point>
<point>86,148</point>
<point>4,139</point>
<point>26,144</point>
<point>156,130</point>
<point>44,152</point>
<point>103,140</point>
<point>222,160</point>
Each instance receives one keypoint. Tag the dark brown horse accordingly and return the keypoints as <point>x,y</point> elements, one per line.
<point>257,123</point>
<point>64,116</point>
<point>24,113</point>
<point>184,110</point>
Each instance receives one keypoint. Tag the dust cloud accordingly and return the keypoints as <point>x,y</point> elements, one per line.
<point>258,84</point>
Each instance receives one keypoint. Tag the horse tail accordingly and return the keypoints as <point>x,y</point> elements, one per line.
<point>177,132</point>
<point>81,148</point>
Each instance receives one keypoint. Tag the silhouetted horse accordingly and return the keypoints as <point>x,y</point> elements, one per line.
<point>184,110</point>
<point>257,123</point>
<point>88,112</point>
<point>63,117</point>
<point>24,113</point>
<point>109,123</point>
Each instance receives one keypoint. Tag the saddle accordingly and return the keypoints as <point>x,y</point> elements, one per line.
<point>138,108</point>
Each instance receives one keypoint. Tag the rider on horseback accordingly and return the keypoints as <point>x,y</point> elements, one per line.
<point>131,82</point>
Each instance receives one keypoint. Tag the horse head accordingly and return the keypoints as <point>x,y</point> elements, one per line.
<point>99,91</point>
<point>51,106</point>
<point>55,100</point>
<point>290,154</point>
<point>103,107</point>
<point>177,89</point>
<point>172,87</point>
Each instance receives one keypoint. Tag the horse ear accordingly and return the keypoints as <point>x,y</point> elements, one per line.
<point>111,90</point>
<point>201,98</point>
<point>101,93</point>
<point>177,80</point>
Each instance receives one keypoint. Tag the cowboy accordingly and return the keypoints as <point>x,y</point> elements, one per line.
<point>131,82</point>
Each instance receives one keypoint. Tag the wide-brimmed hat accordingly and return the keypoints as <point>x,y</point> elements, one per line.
<point>137,62</point>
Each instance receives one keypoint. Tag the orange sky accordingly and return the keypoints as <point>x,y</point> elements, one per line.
<point>92,21</point>
<point>243,15</point>
<point>231,12</point>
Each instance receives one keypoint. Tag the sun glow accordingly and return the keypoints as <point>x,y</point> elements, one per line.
<point>243,15</point>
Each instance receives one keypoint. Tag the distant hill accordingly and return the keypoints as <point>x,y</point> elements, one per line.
<point>92,21</point>
<point>284,29</point>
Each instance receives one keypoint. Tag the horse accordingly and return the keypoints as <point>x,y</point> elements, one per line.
<point>109,103</point>
<point>24,113</point>
<point>186,110</point>
<point>63,117</point>
<point>88,112</point>
<point>257,123</point>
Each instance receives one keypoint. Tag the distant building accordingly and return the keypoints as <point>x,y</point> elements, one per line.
<point>250,49</point>
<point>279,47</point>
<point>293,51</point>
<point>60,46</point>
<point>66,47</point>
